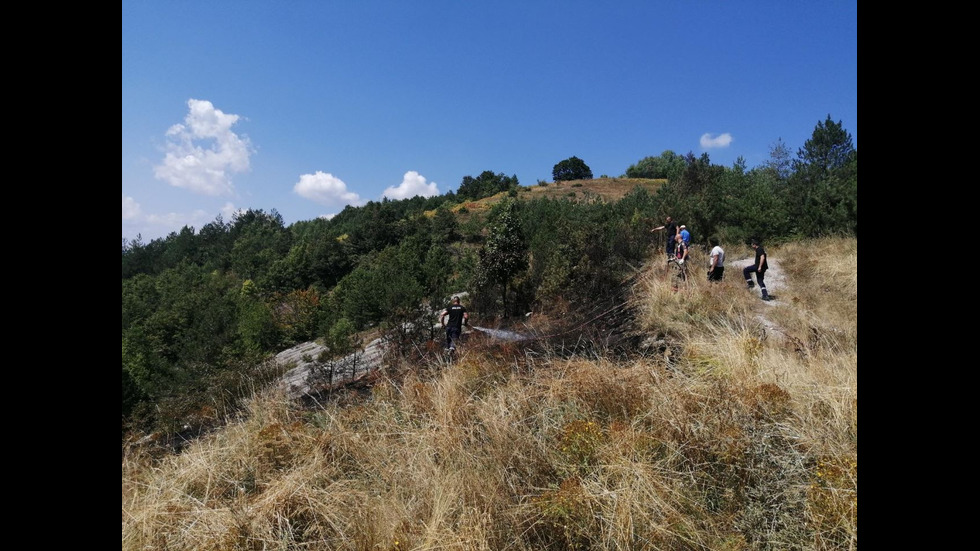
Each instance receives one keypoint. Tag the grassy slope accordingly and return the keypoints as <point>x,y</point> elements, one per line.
<point>736,428</point>
<point>608,189</point>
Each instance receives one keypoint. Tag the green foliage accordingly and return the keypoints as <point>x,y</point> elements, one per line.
<point>822,193</point>
<point>132,395</point>
<point>505,253</point>
<point>780,163</point>
<point>665,166</point>
<point>437,273</point>
<point>583,251</point>
<point>486,185</point>
<point>385,286</point>
<point>566,519</point>
<point>696,196</point>
<point>571,168</point>
<point>295,313</point>
<point>829,149</point>
<point>753,207</point>
<point>257,327</point>
<point>260,239</point>
<point>145,374</point>
<point>340,339</point>
<point>379,228</point>
<point>445,227</point>
<point>354,296</point>
<point>579,443</point>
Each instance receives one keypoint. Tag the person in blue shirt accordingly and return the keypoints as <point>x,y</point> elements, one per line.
<point>686,235</point>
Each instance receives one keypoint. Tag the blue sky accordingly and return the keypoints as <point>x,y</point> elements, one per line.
<point>305,106</point>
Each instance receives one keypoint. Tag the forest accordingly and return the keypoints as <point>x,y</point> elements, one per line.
<point>203,310</point>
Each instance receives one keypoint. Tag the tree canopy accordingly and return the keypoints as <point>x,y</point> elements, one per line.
<point>485,185</point>
<point>571,168</point>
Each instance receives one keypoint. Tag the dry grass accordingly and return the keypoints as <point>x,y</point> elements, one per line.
<point>605,189</point>
<point>743,436</point>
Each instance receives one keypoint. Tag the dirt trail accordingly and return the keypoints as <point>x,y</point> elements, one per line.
<point>775,278</point>
<point>775,284</point>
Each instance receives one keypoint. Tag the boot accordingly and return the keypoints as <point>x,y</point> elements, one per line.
<point>749,284</point>
<point>765,295</point>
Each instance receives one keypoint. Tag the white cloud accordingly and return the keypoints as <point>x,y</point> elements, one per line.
<point>130,208</point>
<point>153,226</point>
<point>325,189</point>
<point>721,140</point>
<point>174,221</point>
<point>203,153</point>
<point>412,184</point>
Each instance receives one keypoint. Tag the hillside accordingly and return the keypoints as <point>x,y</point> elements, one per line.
<point>607,189</point>
<point>714,421</point>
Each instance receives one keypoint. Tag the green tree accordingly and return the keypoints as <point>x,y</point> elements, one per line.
<point>752,206</point>
<point>666,165</point>
<point>694,197</point>
<point>823,187</point>
<point>260,239</point>
<point>385,286</point>
<point>445,227</point>
<point>829,149</point>
<point>378,226</point>
<point>780,162</point>
<point>505,253</point>
<point>485,185</point>
<point>571,168</point>
<point>437,271</point>
<point>257,328</point>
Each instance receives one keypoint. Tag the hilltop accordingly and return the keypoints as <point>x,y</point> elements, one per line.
<point>607,189</point>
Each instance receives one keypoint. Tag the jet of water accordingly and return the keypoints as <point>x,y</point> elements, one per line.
<point>502,334</point>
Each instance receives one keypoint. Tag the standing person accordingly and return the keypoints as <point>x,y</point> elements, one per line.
<point>716,271</point>
<point>686,235</point>
<point>458,317</point>
<point>680,257</point>
<point>670,231</point>
<point>759,267</point>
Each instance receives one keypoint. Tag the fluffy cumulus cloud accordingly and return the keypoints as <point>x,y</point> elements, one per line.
<point>203,153</point>
<point>709,141</point>
<point>412,184</point>
<point>325,189</point>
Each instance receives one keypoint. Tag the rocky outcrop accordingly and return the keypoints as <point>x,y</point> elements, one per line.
<point>310,374</point>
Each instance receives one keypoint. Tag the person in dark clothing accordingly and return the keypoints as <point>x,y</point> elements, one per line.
<point>670,231</point>
<point>458,317</point>
<point>759,267</point>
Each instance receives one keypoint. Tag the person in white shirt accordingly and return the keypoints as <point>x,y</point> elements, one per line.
<point>716,270</point>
